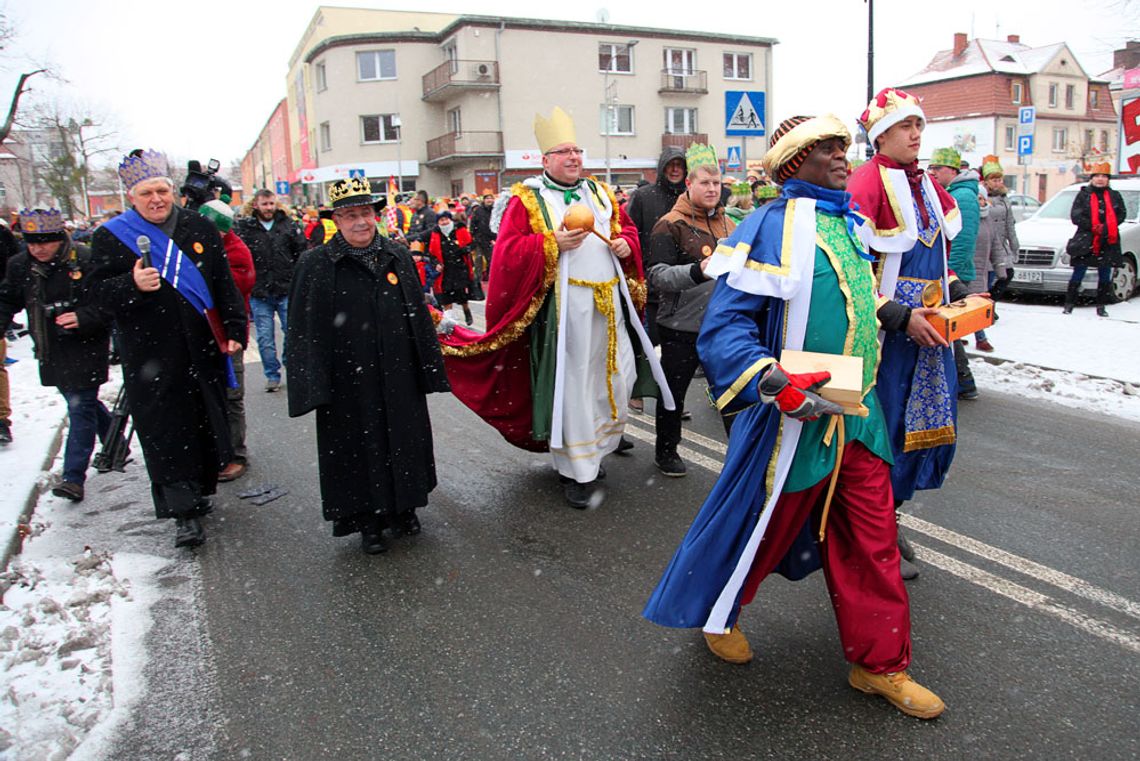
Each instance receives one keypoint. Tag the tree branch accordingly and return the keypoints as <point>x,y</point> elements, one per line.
<point>20,90</point>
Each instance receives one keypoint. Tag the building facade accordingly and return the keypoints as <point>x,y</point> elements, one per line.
<point>446,102</point>
<point>972,94</point>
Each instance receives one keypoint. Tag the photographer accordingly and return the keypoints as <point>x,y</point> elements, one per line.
<point>202,187</point>
<point>51,280</point>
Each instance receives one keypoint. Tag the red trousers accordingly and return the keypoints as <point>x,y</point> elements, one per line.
<point>860,558</point>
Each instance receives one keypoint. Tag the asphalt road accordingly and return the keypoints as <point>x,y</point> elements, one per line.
<point>511,627</point>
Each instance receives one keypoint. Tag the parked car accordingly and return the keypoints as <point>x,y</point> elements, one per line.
<point>1023,206</point>
<point>1042,265</point>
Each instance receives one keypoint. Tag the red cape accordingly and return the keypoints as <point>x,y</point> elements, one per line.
<point>490,372</point>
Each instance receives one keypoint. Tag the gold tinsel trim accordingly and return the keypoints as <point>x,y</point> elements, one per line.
<point>604,302</point>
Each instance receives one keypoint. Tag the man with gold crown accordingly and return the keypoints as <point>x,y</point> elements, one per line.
<point>806,482</point>
<point>564,349</point>
<point>912,220</point>
<point>162,275</point>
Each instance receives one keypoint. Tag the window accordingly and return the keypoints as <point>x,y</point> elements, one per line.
<point>376,64</point>
<point>738,66</point>
<point>1060,139</point>
<point>680,121</point>
<point>451,53</point>
<point>455,121</point>
<point>1104,140</point>
<point>1017,93</point>
<point>326,137</point>
<point>1010,138</point>
<point>1052,96</point>
<point>1094,97</point>
<point>621,117</point>
<point>680,60</point>
<point>615,57</point>
<point>1089,137</point>
<point>456,188</point>
<point>380,128</point>
<point>1070,96</point>
<point>319,75</point>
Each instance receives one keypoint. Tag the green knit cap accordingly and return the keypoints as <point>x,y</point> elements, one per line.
<point>219,212</point>
<point>946,157</point>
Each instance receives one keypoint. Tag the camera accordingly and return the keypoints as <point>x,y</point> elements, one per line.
<point>199,185</point>
<point>55,309</point>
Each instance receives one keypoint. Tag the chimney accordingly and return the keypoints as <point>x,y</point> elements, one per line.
<point>1013,38</point>
<point>1127,57</point>
<point>960,42</point>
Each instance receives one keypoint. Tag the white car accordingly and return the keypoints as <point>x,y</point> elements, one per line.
<point>1042,264</point>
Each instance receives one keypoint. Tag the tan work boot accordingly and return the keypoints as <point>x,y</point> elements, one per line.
<point>904,693</point>
<point>731,647</point>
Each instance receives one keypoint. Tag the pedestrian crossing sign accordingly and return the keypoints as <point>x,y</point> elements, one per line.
<point>744,113</point>
<point>733,162</point>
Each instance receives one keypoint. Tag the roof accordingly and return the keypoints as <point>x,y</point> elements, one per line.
<point>987,57</point>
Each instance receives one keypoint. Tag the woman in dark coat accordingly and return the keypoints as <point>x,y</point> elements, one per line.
<point>1097,211</point>
<point>451,244</point>
<point>363,354</point>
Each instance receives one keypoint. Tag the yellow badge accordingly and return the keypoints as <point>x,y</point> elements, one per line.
<point>75,274</point>
<point>706,250</point>
<point>392,278</point>
<point>198,247</point>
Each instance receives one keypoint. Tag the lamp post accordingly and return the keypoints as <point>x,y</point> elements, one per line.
<point>609,103</point>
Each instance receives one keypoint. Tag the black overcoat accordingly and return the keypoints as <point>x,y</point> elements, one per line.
<point>363,354</point>
<point>1080,245</point>
<point>173,369</point>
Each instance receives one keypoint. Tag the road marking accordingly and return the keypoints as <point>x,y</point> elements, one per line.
<point>1059,579</point>
<point>1029,598</point>
<point>704,441</point>
<point>690,455</point>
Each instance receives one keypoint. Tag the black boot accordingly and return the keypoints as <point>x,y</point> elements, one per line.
<point>1071,297</point>
<point>371,538</point>
<point>467,315</point>
<point>190,533</point>
<point>1104,296</point>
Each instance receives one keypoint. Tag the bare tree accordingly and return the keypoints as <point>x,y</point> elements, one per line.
<point>78,135</point>
<point>7,33</point>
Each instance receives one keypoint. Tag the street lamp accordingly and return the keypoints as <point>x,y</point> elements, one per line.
<point>609,103</point>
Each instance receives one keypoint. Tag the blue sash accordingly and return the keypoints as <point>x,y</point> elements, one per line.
<point>174,267</point>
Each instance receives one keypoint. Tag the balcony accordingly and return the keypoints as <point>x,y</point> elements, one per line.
<point>683,140</point>
<point>455,147</point>
<point>450,76</point>
<point>683,82</point>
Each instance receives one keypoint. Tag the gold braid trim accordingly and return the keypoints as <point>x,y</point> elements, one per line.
<point>514,330</point>
<point>638,290</point>
<point>935,437</point>
<point>604,301</point>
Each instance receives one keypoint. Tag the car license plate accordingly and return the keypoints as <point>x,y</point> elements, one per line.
<point>1026,276</point>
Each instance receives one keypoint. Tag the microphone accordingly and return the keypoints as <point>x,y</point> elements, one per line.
<point>143,243</point>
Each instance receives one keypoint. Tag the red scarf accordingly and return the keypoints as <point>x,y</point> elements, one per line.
<point>1098,229</point>
<point>867,189</point>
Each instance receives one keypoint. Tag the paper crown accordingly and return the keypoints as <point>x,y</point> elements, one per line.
<point>41,221</point>
<point>991,167</point>
<point>142,165</point>
<point>946,157</point>
<point>1102,167</point>
<point>558,129</point>
<point>887,109</point>
<point>794,139</point>
<point>767,191</point>
<point>699,155</point>
<point>741,189</point>
<point>348,190</point>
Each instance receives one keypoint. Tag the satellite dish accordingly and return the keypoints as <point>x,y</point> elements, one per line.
<point>603,16</point>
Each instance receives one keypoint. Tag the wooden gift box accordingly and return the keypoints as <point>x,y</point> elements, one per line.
<point>962,318</point>
<point>846,385</point>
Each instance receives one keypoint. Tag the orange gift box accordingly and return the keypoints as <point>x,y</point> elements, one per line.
<point>962,318</point>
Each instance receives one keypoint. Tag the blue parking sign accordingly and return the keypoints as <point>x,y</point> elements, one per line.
<point>1024,145</point>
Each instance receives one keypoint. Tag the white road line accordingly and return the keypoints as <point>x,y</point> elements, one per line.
<point>1029,598</point>
<point>710,444</point>
<point>690,455</point>
<point>1059,579</point>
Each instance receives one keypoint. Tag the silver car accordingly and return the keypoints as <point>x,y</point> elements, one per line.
<point>1023,207</point>
<point>1042,264</point>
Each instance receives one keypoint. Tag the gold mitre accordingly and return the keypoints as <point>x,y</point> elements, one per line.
<point>558,129</point>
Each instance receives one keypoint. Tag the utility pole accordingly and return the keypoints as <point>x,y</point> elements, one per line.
<point>870,64</point>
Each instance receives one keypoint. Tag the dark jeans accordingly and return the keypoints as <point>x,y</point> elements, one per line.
<point>679,360</point>
<point>263,311</point>
<point>87,418</point>
<point>966,382</point>
<point>235,411</point>
<point>1103,276</point>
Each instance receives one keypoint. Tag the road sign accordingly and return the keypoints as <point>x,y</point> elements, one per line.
<point>1026,120</point>
<point>1024,145</point>
<point>733,162</point>
<point>744,113</point>
<point>356,173</point>
<point>282,187</point>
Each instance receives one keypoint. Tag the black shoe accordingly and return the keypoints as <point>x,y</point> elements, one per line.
<point>203,507</point>
<point>968,396</point>
<point>408,524</point>
<point>904,547</point>
<point>671,465</point>
<point>907,569</point>
<point>5,433</point>
<point>1068,309</point>
<point>467,317</point>
<point>1101,311</point>
<point>686,415</point>
<point>372,542</point>
<point>579,495</point>
<point>69,490</point>
<point>624,446</point>
<point>190,533</point>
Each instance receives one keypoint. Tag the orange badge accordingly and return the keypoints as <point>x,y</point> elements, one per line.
<point>706,250</point>
<point>392,278</point>
<point>198,247</point>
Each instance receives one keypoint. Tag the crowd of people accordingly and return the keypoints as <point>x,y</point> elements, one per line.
<point>593,303</point>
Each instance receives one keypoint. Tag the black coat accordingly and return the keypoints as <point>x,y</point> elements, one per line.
<point>173,369</point>
<point>275,252</point>
<point>73,359</point>
<point>422,226</point>
<point>363,354</point>
<point>1081,244</point>
<point>480,217</point>
<point>649,203</point>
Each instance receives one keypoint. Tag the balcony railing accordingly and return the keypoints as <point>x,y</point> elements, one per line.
<point>682,81</point>
<point>460,74</point>
<point>683,140</point>
<point>459,146</point>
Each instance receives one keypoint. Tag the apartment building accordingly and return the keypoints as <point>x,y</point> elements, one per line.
<point>973,91</point>
<point>446,102</point>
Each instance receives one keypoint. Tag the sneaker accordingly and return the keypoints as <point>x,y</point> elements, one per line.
<point>69,490</point>
<point>623,446</point>
<point>968,396</point>
<point>686,415</point>
<point>900,690</point>
<point>1101,311</point>
<point>984,345</point>
<point>731,647</point>
<point>579,495</point>
<point>5,433</point>
<point>637,405</point>
<point>671,464</point>
<point>272,385</point>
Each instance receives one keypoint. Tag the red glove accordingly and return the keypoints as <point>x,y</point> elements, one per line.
<point>795,394</point>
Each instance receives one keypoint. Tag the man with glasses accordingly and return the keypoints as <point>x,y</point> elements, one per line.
<point>564,349</point>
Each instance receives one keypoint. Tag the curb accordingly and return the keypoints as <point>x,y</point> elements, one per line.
<point>1000,361</point>
<point>15,543</point>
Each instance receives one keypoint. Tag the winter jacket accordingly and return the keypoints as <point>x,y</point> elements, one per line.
<point>275,252</point>
<point>1080,246</point>
<point>241,267</point>
<point>71,359</point>
<point>422,226</point>
<point>679,242</point>
<point>997,245</point>
<point>964,190</point>
<point>481,228</point>
<point>651,202</point>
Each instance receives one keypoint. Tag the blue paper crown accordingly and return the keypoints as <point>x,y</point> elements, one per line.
<point>41,221</point>
<point>135,169</point>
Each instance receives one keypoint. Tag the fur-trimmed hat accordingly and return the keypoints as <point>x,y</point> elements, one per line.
<point>887,109</point>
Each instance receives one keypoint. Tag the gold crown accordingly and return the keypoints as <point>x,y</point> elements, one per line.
<point>356,186</point>
<point>558,129</point>
<point>146,166</point>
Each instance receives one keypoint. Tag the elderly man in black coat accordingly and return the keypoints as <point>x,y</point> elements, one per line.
<point>364,355</point>
<point>163,276</point>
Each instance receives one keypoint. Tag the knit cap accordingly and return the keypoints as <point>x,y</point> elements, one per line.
<point>219,212</point>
